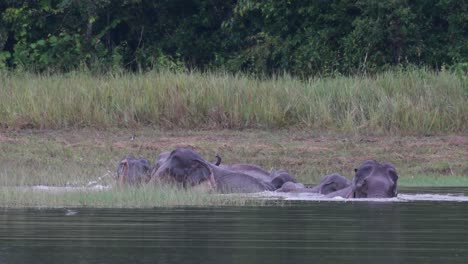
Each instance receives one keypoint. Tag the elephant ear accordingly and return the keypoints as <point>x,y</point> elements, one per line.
<point>360,177</point>
<point>326,183</point>
<point>281,177</point>
<point>200,172</point>
<point>393,174</point>
<point>363,171</point>
<point>122,171</point>
<point>147,169</point>
<point>332,182</point>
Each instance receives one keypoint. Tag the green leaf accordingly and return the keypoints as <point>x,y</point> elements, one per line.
<point>41,42</point>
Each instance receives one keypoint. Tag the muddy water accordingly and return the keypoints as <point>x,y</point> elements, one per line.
<point>448,194</point>
<point>300,232</point>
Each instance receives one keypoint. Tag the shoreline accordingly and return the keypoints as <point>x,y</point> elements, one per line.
<point>77,157</point>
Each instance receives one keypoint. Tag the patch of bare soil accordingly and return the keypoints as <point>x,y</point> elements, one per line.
<point>298,151</point>
<point>7,139</point>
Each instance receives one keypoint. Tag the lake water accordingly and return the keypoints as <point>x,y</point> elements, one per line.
<point>301,231</point>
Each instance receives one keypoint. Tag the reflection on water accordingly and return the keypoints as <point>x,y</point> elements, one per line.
<point>324,232</point>
<point>450,194</point>
<point>313,232</point>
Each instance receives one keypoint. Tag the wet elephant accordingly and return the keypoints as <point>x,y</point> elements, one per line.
<point>330,183</point>
<point>162,157</point>
<point>276,178</point>
<point>372,180</point>
<point>280,177</point>
<point>186,167</point>
<point>133,171</point>
<point>249,169</point>
<point>292,187</point>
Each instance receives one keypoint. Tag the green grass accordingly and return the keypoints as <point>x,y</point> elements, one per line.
<point>82,125</point>
<point>434,181</point>
<point>132,197</point>
<point>411,102</point>
<point>79,156</point>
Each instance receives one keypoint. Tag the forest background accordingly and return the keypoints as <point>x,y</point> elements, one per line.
<point>302,38</point>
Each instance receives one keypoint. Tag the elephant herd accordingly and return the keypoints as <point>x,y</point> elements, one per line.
<point>186,168</point>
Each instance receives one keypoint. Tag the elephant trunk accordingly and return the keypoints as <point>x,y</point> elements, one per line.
<point>211,178</point>
<point>123,177</point>
<point>160,174</point>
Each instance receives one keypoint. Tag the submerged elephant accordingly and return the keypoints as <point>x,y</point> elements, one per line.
<point>372,180</point>
<point>249,169</point>
<point>330,183</point>
<point>133,171</point>
<point>162,157</point>
<point>276,178</point>
<point>187,167</point>
<point>280,177</point>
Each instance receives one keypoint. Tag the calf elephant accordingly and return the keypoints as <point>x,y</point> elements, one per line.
<point>133,171</point>
<point>330,183</point>
<point>280,177</point>
<point>249,169</point>
<point>162,157</point>
<point>276,178</point>
<point>372,180</point>
<point>187,167</point>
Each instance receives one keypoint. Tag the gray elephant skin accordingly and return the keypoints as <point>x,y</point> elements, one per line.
<point>186,167</point>
<point>276,178</point>
<point>329,183</point>
<point>372,180</point>
<point>133,171</point>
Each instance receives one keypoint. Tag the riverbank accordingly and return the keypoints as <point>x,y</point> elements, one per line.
<point>88,157</point>
<point>405,102</point>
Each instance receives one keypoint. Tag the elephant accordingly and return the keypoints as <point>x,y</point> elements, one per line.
<point>186,167</point>
<point>133,171</point>
<point>372,180</point>
<point>291,187</point>
<point>277,178</point>
<point>330,183</point>
<point>280,177</point>
<point>249,169</point>
<point>162,157</point>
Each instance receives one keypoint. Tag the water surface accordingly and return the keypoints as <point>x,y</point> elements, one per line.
<point>298,232</point>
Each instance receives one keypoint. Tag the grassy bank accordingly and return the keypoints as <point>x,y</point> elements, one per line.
<point>144,197</point>
<point>411,102</point>
<point>82,157</point>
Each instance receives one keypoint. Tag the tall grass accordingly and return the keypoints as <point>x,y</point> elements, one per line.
<point>131,197</point>
<point>414,101</point>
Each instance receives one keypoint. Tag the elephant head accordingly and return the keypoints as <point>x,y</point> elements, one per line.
<point>375,180</point>
<point>281,177</point>
<point>133,171</point>
<point>162,157</point>
<point>331,183</point>
<point>184,166</point>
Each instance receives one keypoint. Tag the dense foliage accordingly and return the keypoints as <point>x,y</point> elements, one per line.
<point>260,36</point>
